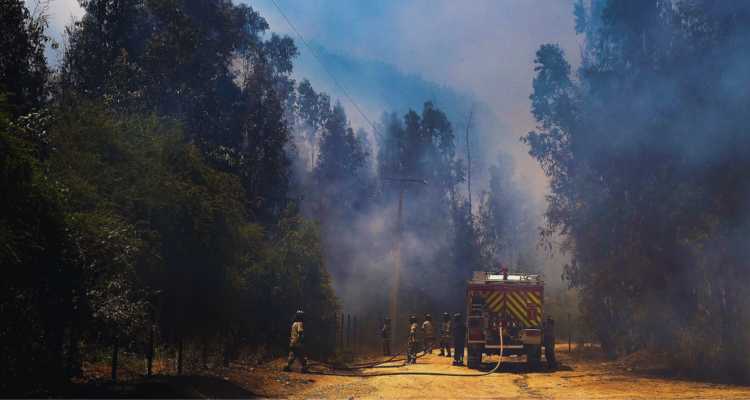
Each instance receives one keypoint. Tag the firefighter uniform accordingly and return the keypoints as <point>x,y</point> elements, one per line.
<point>428,330</point>
<point>414,340</point>
<point>386,333</point>
<point>549,342</point>
<point>445,331</point>
<point>459,338</point>
<point>296,350</point>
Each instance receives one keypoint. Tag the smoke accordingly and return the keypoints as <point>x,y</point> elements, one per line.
<point>441,240</point>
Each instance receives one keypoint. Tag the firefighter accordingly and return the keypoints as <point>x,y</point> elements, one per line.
<point>549,342</point>
<point>296,349</point>
<point>428,330</point>
<point>386,333</point>
<point>414,336</point>
<point>459,337</point>
<point>445,331</point>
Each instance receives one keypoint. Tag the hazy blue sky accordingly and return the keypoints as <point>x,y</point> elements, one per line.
<point>392,55</point>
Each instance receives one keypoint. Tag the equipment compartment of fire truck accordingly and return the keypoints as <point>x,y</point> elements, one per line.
<point>508,305</point>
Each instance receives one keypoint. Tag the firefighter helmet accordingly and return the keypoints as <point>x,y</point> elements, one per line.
<point>550,320</point>
<point>387,319</point>
<point>446,317</point>
<point>299,316</point>
<point>457,317</point>
<point>413,319</point>
<point>428,317</point>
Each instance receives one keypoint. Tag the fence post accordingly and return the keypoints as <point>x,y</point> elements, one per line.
<point>334,331</point>
<point>342,331</point>
<point>179,357</point>
<point>227,351</point>
<point>569,330</point>
<point>205,353</point>
<point>151,349</point>
<point>116,349</point>
<point>348,328</point>
<point>354,335</point>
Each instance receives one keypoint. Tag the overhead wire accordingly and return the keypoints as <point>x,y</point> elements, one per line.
<point>328,71</point>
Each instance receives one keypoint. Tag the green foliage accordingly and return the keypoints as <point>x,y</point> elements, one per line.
<point>204,62</point>
<point>191,218</point>
<point>113,213</point>
<point>38,281</point>
<point>296,278</point>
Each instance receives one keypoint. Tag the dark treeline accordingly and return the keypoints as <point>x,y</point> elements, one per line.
<point>647,150</point>
<point>146,181</point>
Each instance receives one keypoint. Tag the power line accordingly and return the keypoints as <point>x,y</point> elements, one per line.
<point>329,72</point>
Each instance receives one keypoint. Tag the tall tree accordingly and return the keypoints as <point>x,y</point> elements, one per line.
<point>314,109</point>
<point>184,58</point>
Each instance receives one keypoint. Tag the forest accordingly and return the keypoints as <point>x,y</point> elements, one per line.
<point>170,175</point>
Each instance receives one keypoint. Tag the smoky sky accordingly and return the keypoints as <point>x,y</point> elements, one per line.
<point>391,56</point>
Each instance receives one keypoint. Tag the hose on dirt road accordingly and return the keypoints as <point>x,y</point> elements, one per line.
<point>421,373</point>
<point>377,364</point>
<point>355,367</point>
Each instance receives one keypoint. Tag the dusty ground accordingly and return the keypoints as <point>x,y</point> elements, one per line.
<point>582,375</point>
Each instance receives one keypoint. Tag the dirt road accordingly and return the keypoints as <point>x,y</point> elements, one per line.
<point>582,375</point>
<point>579,377</point>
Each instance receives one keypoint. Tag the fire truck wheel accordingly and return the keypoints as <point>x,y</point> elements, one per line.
<point>474,357</point>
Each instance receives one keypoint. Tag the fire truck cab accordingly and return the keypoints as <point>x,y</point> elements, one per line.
<point>504,308</point>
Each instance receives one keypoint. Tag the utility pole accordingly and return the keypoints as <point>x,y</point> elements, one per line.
<point>397,253</point>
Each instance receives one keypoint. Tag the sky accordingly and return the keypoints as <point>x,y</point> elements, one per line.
<point>477,51</point>
<point>394,55</point>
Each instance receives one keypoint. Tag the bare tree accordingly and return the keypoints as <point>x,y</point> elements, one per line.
<point>470,118</point>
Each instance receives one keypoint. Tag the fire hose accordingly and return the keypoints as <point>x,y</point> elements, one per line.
<point>377,363</point>
<point>417,373</point>
<point>355,367</point>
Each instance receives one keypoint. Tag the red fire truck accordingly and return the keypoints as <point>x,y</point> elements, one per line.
<point>507,305</point>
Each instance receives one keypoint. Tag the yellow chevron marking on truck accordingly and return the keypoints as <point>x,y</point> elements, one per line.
<point>518,301</point>
<point>533,297</point>
<point>497,302</point>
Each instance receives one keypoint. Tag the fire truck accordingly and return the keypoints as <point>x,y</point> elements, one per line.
<point>508,306</point>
